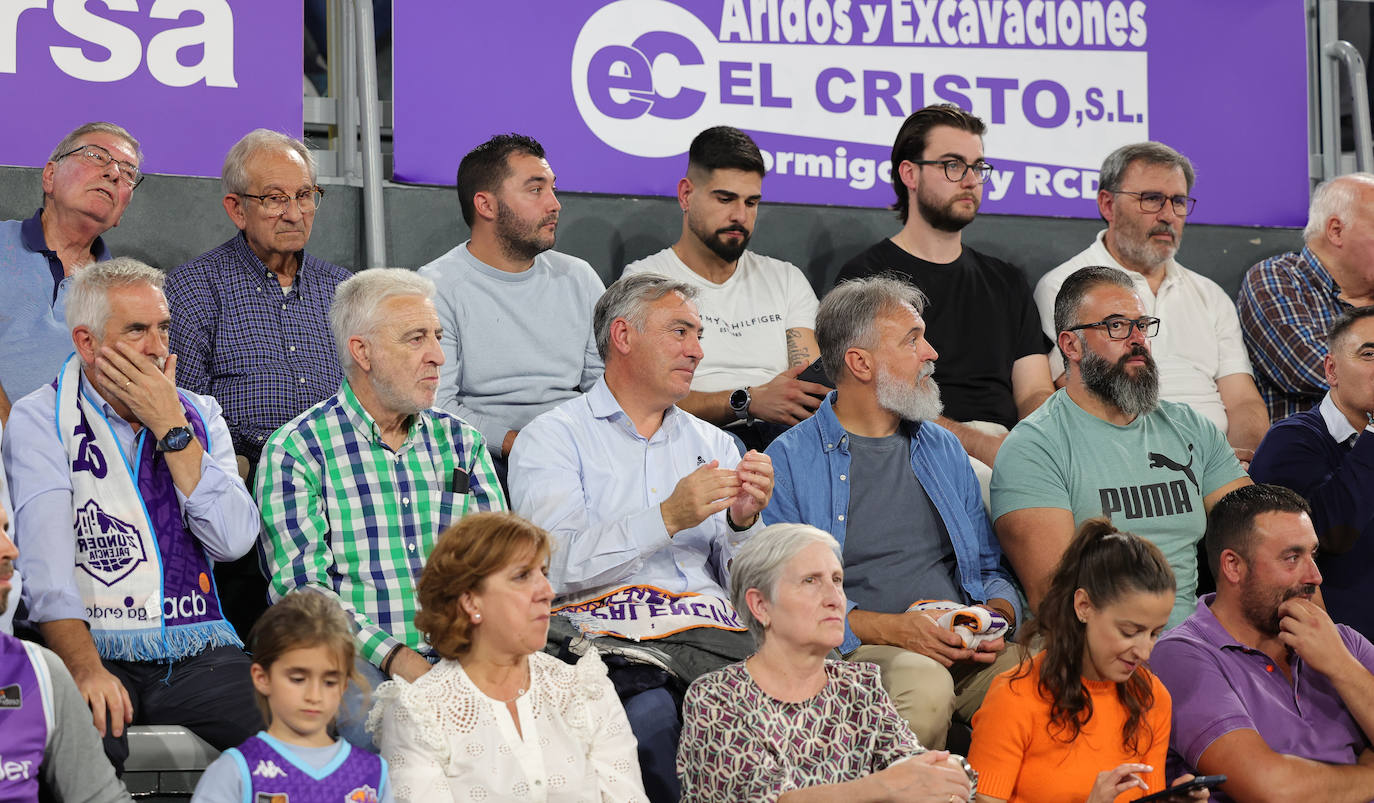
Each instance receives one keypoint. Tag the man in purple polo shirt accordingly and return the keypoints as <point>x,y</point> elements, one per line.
<point>1267,690</point>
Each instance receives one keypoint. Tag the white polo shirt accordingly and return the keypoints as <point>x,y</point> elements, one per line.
<point>1199,338</point>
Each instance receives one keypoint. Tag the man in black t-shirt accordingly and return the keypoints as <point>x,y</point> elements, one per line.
<point>993,370</point>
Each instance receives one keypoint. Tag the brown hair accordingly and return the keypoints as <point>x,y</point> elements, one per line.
<point>1107,564</point>
<point>469,551</point>
<point>301,620</point>
<point>910,144</point>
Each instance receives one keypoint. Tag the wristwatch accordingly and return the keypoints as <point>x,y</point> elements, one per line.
<point>739,402</point>
<point>176,439</point>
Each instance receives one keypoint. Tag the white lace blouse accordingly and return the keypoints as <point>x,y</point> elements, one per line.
<point>446,740</point>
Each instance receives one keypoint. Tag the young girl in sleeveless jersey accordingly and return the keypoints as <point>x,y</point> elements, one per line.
<point>302,660</point>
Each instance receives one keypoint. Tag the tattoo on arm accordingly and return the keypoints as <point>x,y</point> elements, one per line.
<point>796,352</point>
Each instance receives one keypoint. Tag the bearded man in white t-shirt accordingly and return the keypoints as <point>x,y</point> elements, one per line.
<point>759,312</point>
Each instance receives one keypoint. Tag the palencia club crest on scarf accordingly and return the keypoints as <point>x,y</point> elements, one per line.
<point>144,578</point>
<point>106,548</point>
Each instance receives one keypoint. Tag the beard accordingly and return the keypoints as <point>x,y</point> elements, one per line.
<point>910,402</point>
<point>1132,395</point>
<point>522,241</point>
<point>1147,252</point>
<point>727,250</point>
<point>944,218</point>
<point>1261,606</point>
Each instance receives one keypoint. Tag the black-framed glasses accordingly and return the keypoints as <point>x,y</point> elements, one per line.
<point>956,169</point>
<point>1152,202</point>
<point>96,155</point>
<point>275,203</point>
<point>1120,328</point>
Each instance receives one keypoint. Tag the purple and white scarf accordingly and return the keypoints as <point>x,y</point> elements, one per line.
<point>148,586</point>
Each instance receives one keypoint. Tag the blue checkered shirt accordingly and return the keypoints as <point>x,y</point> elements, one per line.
<point>264,354</point>
<point>1287,304</point>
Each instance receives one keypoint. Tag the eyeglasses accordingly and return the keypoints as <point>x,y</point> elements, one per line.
<point>1121,328</point>
<point>1152,202</point>
<point>275,203</point>
<point>100,157</point>
<point>956,169</point>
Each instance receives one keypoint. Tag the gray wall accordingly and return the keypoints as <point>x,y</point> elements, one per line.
<point>172,219</point>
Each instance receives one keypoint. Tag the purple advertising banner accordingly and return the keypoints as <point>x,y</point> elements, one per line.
<point>616,89</point>
<point>187,78</point>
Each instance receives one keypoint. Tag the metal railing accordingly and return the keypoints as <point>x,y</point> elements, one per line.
<point>352,115</point>
<point>1327,55</point>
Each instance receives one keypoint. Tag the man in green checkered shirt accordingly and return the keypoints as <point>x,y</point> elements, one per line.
<point>355,491</point>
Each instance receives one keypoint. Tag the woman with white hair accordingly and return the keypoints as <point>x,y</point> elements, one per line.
<point>787,724</point>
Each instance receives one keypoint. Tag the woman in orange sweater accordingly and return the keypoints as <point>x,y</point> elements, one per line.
<point>1085,720</point>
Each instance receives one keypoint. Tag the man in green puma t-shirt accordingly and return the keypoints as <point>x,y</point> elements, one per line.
<point>1106,445</point>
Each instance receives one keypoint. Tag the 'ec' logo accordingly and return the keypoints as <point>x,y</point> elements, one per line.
<point>630,69</point>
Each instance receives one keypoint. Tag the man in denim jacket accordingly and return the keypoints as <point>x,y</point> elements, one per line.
<point>896,490</point>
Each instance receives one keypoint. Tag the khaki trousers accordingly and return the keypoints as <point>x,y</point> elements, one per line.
<point>928,695</point>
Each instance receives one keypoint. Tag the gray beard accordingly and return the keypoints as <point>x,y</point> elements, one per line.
<point>1133,396</point>
<point>909,402</point>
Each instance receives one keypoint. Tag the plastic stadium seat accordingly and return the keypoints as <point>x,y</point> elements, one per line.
<point>165,760</point>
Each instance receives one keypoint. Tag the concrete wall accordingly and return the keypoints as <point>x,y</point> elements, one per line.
<point>172,219</point>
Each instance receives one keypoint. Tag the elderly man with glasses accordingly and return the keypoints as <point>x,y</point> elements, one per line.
<point>250,318</point>
<point>1107,445</point>
<point>1143,197</point>
<point>993,371</point>
<point>87,184</point>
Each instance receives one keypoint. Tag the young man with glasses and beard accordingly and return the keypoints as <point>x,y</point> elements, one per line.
<point>938,173</point>
<point>1106,445</point>
<point>1143,197</point>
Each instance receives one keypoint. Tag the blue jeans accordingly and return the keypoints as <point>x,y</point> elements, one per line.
<point>654,720</point>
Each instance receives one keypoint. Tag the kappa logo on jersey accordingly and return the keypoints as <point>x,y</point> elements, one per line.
<point>10,697</point>
<point>363,794</point>
<point>269,769</point>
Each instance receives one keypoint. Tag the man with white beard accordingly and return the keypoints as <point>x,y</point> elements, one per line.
<point>1106,445</point>
<point>873,469</point>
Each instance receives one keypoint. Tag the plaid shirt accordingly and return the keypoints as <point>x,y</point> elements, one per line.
<point>344,514</point>
<point>264,354</point>
<point>1287,304</point>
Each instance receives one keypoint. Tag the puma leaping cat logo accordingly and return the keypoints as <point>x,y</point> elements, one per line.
<point>1158,460</point>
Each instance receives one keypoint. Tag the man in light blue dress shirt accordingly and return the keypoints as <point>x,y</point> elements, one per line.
<point>639,495</point>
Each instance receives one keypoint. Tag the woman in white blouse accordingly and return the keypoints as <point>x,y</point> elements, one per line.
<point>496,719</point>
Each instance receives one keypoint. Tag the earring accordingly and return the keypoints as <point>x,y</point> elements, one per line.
<point>476,617</point>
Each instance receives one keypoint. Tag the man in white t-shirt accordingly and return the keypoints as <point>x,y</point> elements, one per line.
<point>759,312</point>
<point>1143,197</point>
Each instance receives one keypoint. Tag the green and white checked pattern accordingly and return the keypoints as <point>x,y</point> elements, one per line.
<point>344,514</point>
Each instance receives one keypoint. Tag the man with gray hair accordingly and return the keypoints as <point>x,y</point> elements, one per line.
<point>1106,445</point>
<point>125,493</point>
<point>87,184</point>
<point>1289,302</point>
<point>896,489</point>
<point>1143,195</point>
<point>646,504</point>
<point>250,318</point>
<point>359,486</point>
